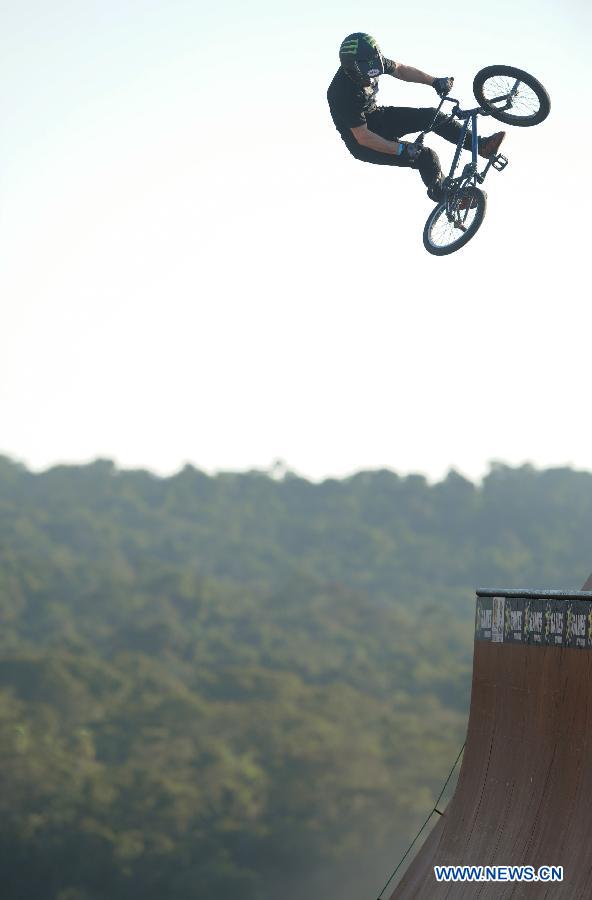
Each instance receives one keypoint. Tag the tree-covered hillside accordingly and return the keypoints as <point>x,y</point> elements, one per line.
<point>236,685</point>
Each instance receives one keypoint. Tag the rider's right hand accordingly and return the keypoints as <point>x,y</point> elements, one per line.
<point>442,86</point>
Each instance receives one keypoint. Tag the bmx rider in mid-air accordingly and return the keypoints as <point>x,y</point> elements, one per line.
<point>372,133</point>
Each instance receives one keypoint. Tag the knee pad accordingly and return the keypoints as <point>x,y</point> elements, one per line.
<point>428,157</point>
<point>428,164</point>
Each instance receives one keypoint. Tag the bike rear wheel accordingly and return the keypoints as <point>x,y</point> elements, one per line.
<point>447,230</point>
<point>511,95</point>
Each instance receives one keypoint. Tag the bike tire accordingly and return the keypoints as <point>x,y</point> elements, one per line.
<point>508,118</point>
<point>439,213</point>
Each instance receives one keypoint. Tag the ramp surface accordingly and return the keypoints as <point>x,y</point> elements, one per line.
<point>524,794</point>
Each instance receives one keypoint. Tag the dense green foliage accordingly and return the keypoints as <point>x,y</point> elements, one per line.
<point>229,686</point>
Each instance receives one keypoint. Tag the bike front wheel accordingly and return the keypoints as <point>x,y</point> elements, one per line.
<point>451,225</point>
<point>511,95</point>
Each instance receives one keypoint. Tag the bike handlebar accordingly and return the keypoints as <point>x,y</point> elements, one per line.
<point>463,113</point>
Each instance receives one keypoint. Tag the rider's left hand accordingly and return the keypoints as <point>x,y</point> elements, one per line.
<point>410,151</point>
<point>442,86</point>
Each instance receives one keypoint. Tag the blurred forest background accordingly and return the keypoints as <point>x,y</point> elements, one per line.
<point>246,685</point>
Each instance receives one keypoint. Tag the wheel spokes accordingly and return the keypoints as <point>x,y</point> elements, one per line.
<point>448,229</point>
<point>504,92</point>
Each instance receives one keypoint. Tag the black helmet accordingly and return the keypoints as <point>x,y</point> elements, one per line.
<point>361,58</point>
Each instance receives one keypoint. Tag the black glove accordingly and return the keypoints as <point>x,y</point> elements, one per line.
<point>442,86</point>
<point>410,151</point>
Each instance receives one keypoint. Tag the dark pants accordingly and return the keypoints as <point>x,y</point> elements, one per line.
<point>392,122</point>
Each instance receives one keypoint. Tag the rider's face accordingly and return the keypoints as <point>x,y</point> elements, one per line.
<point>370,68</point>
<point>373,67</point>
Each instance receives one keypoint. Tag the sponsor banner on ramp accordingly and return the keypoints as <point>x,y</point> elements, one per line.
<point>484,618</point>
<point>514,621</point>
<point>498,620</point>
<point>534,621</point>
<point>542,621</point>
<point>578,625</point>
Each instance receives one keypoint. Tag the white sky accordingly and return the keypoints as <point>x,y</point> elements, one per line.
<point>192,268</point>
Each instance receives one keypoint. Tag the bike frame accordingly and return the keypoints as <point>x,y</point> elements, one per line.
<point>470,118</point>
<point>470,173</point>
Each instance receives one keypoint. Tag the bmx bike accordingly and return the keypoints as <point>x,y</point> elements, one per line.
<point>509,95</point>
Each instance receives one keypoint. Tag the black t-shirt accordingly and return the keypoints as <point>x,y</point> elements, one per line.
<point>350,103</point>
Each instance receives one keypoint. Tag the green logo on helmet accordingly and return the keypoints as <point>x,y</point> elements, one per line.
<point>370,41</point>
<point>359,45</point>
<point>349,47</point>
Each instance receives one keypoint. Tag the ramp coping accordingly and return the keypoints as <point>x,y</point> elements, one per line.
<point>535,595</point>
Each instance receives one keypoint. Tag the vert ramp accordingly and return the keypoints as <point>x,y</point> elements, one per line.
<point>524,793</point>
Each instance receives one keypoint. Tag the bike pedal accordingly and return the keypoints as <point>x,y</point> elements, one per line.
<point>499,162</point>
